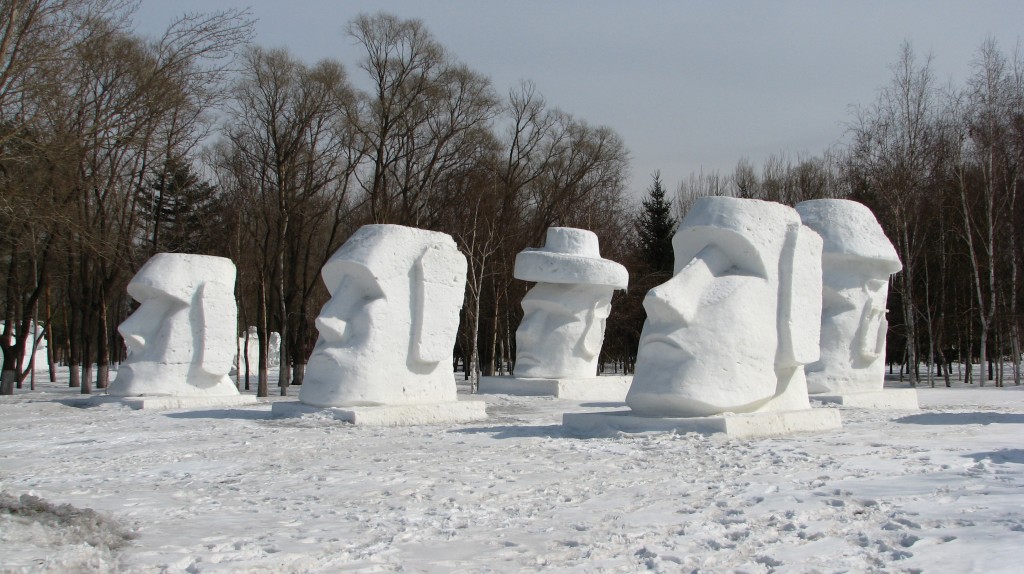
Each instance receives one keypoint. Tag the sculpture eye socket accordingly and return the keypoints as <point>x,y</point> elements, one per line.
<point>835,302</point>
<point>354,282</point>
<point>547,307</point>
<point>141,327</point>
<point>722,287</point>
<point>878,292</point>
<point>711,277</point>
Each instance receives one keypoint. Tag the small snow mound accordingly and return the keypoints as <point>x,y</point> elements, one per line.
<point>42,537</point>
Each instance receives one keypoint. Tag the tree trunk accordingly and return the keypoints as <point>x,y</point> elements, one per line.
<point>75,346</point>
<point>9,374</point>
<point>1015,349</point>
<point>262,343</point>
<point>983,364</point>
<point>474,352</point>
<point>245,354</point>
<point>492,367</point>
<point>49,339</point>
<point>907,281</point>
<point>87,377</point>
<point>944,370</point>
<point>284,369</point>
<point>102,349</point>
<point>7,378</point>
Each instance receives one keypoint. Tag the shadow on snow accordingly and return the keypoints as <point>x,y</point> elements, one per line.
<point>240,414</point>
<point>1011,455</point>
<point>978,418</point>
<point>510,431</point>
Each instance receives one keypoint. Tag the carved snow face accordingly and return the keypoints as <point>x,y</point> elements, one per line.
<point>160,330</point>
<point>181,338</point>
<point>361,336</point>
<point>710,339</point>
<point>853,303</point>
<point>856,264</point>
<point>853,327</point>
<point>732,329</point>
<point>387,333</point>
<point>562,330</point>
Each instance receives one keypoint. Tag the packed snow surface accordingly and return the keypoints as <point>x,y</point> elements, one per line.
<point>233,490</point>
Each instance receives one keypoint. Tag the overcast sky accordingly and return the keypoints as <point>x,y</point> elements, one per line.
<point>688,85</point>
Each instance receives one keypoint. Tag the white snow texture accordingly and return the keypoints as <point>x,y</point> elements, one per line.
<point>732,329</point>
<point>181,339</point>
<point>235,490</point>
<point>564,314</point>
<point>857,260</point>
<point>387,334</point>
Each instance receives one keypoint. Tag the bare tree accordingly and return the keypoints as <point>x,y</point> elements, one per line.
<point>987,169</point>
<point>291,145</point>
<point>422,121</point>
<point>894,164</point>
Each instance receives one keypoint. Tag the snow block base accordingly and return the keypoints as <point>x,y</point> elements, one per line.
<point>170,403</point>
<point>391,415</point>
<point>612,388</point>
<point>752,425</point>
<point>888,399</point>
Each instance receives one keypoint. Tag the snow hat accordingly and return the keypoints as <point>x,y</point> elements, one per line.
<point>179,276</point>
<point>850,231</point>
<point>569,256</point>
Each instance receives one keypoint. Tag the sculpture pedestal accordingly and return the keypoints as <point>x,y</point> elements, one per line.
<point>391,415</point>
<point>171,402</point>
<point>751,425</point>
<point>610,388</point>
<point>887,399</point>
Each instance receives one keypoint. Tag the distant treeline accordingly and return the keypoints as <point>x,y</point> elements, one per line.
<point>941,167</point>
<point>114,147</point>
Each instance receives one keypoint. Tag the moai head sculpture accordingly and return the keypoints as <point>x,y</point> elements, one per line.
<point>388,332</point>
<point>564,314</point>
<point>733,328</point>
<point>857,260</point>
<point>181,339</point>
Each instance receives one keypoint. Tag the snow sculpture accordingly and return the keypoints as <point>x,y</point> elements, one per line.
<point>388,332</point>
<point>857,260</point>
<point>564,313</point>
<point>181,340</point>
<point>36,341</point>
<point>734,327</point>
<point>251,341</point>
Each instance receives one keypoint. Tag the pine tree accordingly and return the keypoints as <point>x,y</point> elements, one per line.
<point>655,226</point>
<point>177,208</point>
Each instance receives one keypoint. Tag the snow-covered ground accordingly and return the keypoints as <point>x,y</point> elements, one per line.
<point>940,490</point>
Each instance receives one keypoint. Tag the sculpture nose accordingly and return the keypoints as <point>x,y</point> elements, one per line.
<point>663,307</point>
<point>678,299</point>
<point>132,333</point>
<point>674,301</point>
<point>331,328</point>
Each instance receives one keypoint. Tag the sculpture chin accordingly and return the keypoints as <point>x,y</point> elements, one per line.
<point>172,380</point>
<point>531,368</point>
<point>661,405</point>
<point>332,380</point>
<point>680,386</point>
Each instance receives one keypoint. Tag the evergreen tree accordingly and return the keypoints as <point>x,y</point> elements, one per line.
<point>178,210</point>
<point>655,226</point>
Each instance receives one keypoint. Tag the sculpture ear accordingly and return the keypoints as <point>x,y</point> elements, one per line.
<point>215,331</point>
<point>800,299</point>
<point>441,284</point>
<point>593,332</point>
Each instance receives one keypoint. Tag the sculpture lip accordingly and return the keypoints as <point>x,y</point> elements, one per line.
<point>526,357</point>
